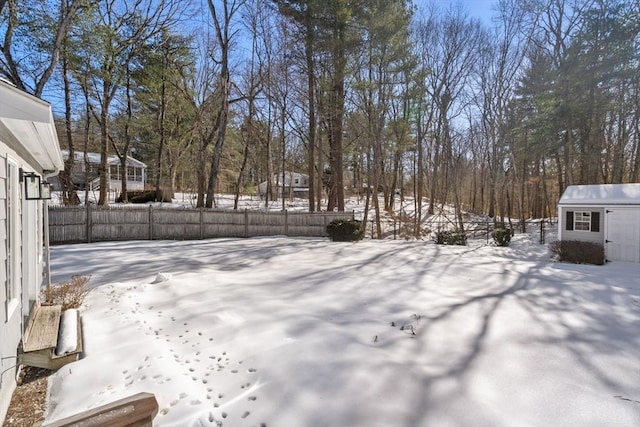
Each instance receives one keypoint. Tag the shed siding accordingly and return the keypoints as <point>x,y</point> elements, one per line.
<point>568,233</point>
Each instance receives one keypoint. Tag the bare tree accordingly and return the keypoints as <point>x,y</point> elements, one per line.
<point>18,16</point>
<point>222,22</point>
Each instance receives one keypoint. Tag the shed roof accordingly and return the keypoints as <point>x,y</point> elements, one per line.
<point>601,194</point>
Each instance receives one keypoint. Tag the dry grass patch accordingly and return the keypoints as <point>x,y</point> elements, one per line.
<point>69,294</point>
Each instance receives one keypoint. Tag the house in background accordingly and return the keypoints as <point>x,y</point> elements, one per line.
<point>136,171</point>
<point>29,153</point>
<point>295,185</point>
<point>608,214</point>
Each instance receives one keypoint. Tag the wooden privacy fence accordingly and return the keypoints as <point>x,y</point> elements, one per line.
<point>85,224</point>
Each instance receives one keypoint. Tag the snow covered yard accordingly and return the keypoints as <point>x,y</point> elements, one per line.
<point>305,332</point>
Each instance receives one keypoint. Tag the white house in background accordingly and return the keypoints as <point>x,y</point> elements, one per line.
<point>295,184</point>
<point>29,153</point>
<point>607,213</point>
<point>136,171</point>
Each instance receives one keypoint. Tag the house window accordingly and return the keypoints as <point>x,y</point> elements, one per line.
<point>582,221</point>
<point>296,181</point>
<point>131,174</point>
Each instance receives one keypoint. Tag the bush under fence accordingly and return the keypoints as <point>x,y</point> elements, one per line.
<point>85,224</point>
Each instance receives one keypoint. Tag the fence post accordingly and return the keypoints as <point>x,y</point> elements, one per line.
<point>201,223</point>
<point>150,222</point>
<point>542,231</point>
<point>88,220</point>
<point>286,222</point>
<point>246,222</point>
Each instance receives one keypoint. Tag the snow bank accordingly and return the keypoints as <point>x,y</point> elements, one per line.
<point>162,277</point>
<point>68,332</point>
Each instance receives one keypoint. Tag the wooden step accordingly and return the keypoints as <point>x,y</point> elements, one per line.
<point>38,347</point>
<point>42,329</point>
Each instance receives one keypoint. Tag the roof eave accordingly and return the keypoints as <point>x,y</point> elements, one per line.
<point>29,122</point>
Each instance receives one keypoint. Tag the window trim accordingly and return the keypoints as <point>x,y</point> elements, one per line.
<point>582,218</point>
<point>12,221</point>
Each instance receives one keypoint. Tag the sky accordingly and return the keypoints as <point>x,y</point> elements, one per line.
<point>278,331</point>
<point>480,9</point>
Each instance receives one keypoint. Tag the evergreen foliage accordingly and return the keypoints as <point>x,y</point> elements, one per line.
<point>345,230</point>
<point>502,236</point>
<point>451,237</point>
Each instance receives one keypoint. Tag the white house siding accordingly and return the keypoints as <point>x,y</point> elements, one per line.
<point>116,185</point>
<point>21,272</point>
<point>32,243</point>
<point>10,293</point>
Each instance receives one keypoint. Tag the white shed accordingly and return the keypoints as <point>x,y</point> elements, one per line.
<point>29,153</point>
<point>606,213</point>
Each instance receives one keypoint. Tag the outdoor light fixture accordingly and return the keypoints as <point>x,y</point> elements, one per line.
<point>31,185</point>
<point>45,191</point>
<point>34,188</point>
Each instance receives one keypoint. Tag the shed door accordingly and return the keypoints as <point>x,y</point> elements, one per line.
<point>622,240</point>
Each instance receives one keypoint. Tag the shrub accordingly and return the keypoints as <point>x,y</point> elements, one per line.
<point>68,294</point>
<point>502,236</point>
<point>578,252</point>
<point>448,237</point>
<point>345,230</point>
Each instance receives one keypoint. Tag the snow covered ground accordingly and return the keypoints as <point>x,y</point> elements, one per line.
<point>306,332</point>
